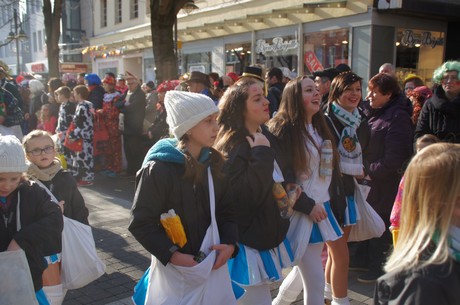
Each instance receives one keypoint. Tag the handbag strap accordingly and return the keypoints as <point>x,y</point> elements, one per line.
<point>18,213</point>
<point>212,203</point>
<point>53,198</point>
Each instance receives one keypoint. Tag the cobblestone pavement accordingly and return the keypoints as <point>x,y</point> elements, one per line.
<point>109,201</point>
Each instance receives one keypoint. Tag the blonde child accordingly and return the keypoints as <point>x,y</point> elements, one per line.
<point>424,267</point>
<point>41,222</point>
<point>420,144</point>
<point>46,170</point>
<point>47,119</point>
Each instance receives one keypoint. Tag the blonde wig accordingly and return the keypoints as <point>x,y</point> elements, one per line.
<point>431,190</point>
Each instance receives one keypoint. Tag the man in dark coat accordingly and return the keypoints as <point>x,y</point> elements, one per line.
<point>275,83</point>
<point>323,80</point>
<point>132,105</point>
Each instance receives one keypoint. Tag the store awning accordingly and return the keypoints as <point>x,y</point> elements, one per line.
<point>119,47</point>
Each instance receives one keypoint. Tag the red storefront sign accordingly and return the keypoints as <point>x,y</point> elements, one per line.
<point>73,68</point>
<point>38,68</point>
<point>312,62</point>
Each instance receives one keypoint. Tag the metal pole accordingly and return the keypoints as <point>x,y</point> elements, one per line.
<point>17,40</point>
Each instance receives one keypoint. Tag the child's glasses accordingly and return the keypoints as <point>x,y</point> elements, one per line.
<point>39,151</point>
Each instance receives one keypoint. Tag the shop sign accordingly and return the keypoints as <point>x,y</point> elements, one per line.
<point>73,68</point>
<point>278,45</point>
<point>312,62</point>
<point>410,40</point>
<point>38,68</point>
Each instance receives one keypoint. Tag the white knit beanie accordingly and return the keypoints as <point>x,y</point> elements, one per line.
<point>12,157</point>
<point>185,109</point>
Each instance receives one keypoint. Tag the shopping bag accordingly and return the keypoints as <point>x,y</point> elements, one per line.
<point>17,287</point>
<point>100,136</point>
<point>370,224</point>
<point>76,145</point>
<point>79,261</point>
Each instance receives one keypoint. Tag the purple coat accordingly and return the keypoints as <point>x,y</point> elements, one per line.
<point>389,149</point>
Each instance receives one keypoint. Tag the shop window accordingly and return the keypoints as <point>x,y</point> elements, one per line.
<point>277,52</point>
<point>197,62</point>
<point>325,49</point>
<point>237,56</point>
<point>418,52</point>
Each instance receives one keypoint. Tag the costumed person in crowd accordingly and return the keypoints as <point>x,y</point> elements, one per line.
<point>274,78</point>
<point>184,176</point>
<point>53,84</point>
<point>121,84</point>
<point>159,128</point>
<point>37,98</point>
<point>395,216</point>
<point>83,162</point>
<point>11,115</point>
<point>199,83</point>
<point>411,82</point>
<point>418,97</point>
<point>440,114</point>
<point>389,150</point>
<point>151,98</point>
<point>45,169</point>
<point>110,116</point>
<point>39,231</point>
<point>323,80</point>
<point>313,163</point>
<point>348,124</point>
<point>96,91</point>
<point>132,107</point>
<point>253,167</point>
<point>47,120</point>
<point>424,267</point>
<point>66,113</point>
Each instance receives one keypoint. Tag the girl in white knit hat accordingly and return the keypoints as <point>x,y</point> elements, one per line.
<point>183,176</point>
<point>31,221</point>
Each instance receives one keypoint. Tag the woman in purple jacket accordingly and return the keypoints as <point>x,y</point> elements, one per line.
<point>390,147</point>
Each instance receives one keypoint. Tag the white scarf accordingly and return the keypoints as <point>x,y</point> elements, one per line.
<point>351,159</point>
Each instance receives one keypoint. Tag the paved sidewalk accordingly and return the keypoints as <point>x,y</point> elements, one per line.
<point>109,202</point>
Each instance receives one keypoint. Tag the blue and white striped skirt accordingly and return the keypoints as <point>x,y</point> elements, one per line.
<point>351,212</point>
<point>326,230</point>
<point>252,267</point>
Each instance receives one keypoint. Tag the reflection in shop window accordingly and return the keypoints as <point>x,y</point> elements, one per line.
<point>418,52</point>
<point>237,56</point>
<point>277,52</point>
<point>197,62</point>
<point>325,49</point>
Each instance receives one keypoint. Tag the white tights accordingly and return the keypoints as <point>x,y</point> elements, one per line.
<point>256,295</point>
<point>311,280</point>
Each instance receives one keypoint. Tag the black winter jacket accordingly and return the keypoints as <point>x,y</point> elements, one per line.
<point>160,186</point>
<point>440,117</point>
<point>435,284</point>
<point>134,112</point>
<point>251,174</point>
<point>64,187</point>
<point>41,227</point>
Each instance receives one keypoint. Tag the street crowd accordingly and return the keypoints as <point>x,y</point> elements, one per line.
<point>240,176</point>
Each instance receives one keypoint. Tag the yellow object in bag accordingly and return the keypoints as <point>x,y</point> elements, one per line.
<point>173,227</point>
<point>63,161</point>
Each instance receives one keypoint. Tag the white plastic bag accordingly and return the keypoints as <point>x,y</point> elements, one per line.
<point>370,225</point>
<point>80,263</point>
<point>16,285</point>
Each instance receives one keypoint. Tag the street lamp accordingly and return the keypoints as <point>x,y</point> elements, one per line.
<point>17,35</point>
